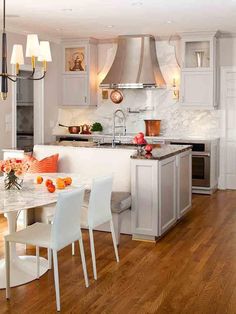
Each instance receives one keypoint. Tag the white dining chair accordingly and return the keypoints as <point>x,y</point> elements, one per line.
<point>64,231</point>
<point>98,213</point>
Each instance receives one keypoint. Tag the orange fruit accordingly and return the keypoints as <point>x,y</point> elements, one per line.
<point>48,182</point>
<point>68,181</point>
<point>39,180</point>
<point>51,188</point>
<point>60,183</point>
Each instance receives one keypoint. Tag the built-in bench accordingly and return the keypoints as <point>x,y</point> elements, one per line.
<point>120,202</point>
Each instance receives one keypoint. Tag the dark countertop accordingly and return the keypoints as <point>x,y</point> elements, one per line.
<point>161,152</point>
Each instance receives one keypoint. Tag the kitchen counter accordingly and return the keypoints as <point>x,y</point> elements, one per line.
<point>159,152</point>
<point>162,152</point>
<point>132,135</point>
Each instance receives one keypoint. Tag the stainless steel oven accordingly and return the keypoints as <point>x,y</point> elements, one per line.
<point>201,162</point>
<point>201,169</point>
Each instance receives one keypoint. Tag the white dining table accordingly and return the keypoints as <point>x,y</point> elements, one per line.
<point>12,202</point>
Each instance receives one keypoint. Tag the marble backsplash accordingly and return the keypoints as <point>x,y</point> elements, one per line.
<point>158,104</point>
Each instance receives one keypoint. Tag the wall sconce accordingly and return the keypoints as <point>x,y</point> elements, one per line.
<point>175,90</point>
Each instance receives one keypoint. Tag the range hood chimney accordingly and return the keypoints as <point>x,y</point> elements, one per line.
<point>135,64</point>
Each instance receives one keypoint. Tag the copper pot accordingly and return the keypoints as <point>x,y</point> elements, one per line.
<point>72,129</point>
<point>153,127</point>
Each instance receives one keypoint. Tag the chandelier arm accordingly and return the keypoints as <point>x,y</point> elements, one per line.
<point>21,77</point>
<point>37,78</point>
<point>11,79</point>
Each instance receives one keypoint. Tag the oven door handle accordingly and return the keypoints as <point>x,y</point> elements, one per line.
<point>201,154</point>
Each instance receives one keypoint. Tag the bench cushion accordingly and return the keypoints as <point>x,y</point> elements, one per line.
<point>120,201</point>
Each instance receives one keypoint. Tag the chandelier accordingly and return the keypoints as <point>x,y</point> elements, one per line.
<point>34,49</point>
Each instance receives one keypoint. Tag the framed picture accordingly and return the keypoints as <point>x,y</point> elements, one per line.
<point>75,59</point>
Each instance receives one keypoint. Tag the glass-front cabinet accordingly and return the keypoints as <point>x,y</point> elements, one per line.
<point>198,70</point>
<point>79,73</point>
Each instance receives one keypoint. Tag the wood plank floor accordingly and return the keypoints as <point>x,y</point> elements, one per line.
<point>191,270</point>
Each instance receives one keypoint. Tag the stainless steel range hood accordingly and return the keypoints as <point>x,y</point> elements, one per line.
<point>135,64</point>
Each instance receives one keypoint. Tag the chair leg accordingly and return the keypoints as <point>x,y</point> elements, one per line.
<point>93,253</point>
<point>114,240</point>
<point>7,261</point>
<point>81,247</point>
<point>56,279</point>
<point>37,261</point>
<point>116,223</point>
<point>73,248</point>
<point>49,258</point>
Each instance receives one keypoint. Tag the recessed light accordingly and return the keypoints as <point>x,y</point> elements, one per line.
<point>66,10</point>
<point>136,3</point>
<point>110,26</point>
<point>169,22</point>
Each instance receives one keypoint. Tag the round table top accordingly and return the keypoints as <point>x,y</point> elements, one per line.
<point>33,194</point>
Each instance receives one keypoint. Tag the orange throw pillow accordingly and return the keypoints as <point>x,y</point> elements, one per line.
<point>48,164</point>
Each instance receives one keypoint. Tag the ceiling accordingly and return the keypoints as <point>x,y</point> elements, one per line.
<point>109,18</point>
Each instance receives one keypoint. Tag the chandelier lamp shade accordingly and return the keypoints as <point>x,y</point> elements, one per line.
<point>34,49</point>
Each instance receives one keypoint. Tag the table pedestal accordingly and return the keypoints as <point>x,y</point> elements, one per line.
<point>23,268</point>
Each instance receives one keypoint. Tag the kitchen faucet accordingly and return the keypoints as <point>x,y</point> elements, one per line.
<point>123,126</point>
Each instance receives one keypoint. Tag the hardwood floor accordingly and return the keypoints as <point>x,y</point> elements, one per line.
<point>191,270</point>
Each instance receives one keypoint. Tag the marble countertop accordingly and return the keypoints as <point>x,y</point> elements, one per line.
<point>162,152</point>
<point>34,195</point>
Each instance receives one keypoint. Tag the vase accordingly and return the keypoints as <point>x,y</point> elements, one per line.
<point>12,182</point>
<point>139,149</point>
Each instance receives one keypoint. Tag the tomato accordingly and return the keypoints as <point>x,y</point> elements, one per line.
<point>48,182</point>
<point>51,188</point>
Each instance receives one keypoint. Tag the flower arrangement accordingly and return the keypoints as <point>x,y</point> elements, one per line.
<point>14,170</point>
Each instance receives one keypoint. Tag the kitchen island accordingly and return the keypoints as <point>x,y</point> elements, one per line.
<point>160,183</point>
<point>161,189</point>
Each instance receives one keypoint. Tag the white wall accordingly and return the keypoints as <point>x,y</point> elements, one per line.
<point>51,92</point>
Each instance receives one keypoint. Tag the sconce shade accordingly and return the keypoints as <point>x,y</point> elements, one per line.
<point>32,46</point>
<point>17,55</point>
<point>44,51</point>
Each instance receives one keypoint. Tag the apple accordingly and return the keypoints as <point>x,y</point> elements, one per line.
<point>135,140</point>
<point>148,148</point>
<point>148,155</point>
<point>140,135</point>
<point>140,141</point>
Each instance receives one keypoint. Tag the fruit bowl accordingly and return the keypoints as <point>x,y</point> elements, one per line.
<point>140,142</point>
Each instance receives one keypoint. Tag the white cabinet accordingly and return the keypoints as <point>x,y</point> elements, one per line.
<point>198,70</point>
<point>144,190</point>
<point>161,194</point>
<point>79,73</point>
<point>75,90</point>
<point>184,183</point>
<point>197,88</point>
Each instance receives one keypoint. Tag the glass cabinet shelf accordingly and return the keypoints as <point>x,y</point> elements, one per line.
<point>197,54</point>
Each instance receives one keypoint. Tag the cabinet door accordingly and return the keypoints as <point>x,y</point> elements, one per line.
<point>144,198</point>
<point>74,90</point>
<point>197,88</point>
<point>184,182</point>
<point>167,194</point>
